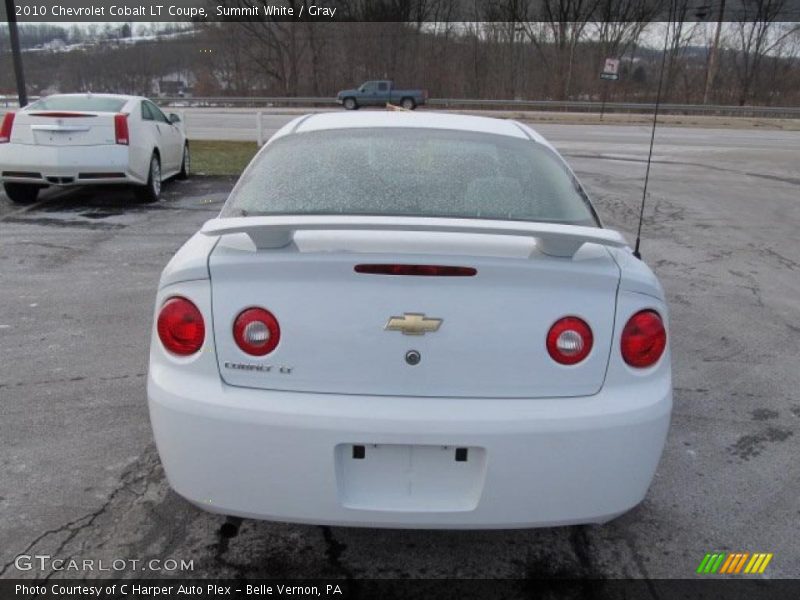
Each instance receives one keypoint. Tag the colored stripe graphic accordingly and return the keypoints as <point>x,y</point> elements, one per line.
<point>703,563</point>
<point>734,562</point>
<point>729,562</point>
<point>766,562</point>
<point>718,564</point>
<point>741,562</point>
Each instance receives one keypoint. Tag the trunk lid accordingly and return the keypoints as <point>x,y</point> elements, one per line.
<point>491,340</point>
<point>63,128</point>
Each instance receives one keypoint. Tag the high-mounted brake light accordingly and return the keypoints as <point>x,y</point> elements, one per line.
<point>121,129</point>
<point>180,326</point>
<point>643,339</point>
<point>420,270</point>
<point>256,331</point>
<point>569,340</point>
<point>5,128</point>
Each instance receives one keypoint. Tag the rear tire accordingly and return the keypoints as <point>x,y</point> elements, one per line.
<point>408,103</point>
<point>350,104</point>
<point>186,164</point>
<point>22,193</point>
<point>151,192</point>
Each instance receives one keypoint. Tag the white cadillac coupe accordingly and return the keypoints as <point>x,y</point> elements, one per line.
<point>409,320</point>
<point>90,139</point>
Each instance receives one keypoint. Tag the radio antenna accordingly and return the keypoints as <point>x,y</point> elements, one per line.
<point>636,252</point>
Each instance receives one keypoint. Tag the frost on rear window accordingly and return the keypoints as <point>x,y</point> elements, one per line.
<point>79,103</point>
<point>410,172</point>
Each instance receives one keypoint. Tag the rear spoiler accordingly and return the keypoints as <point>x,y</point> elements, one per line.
<point>278,231</point>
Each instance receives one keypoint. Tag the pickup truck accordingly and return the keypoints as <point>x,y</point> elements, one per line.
<point>380,92</point>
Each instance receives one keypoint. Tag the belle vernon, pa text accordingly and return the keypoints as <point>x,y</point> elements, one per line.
<point>159,10</point>
<point>137,589</point>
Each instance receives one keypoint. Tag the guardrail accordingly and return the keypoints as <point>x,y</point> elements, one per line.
<point>534,105</point>
<point>788,112</point>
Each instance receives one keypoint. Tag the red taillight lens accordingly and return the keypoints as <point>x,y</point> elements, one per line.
<point>643,339</point>
<point>121,129</point>
<point>5,128</point>
<point>256,331</point>
<point>180,326</point>
<point>569,340</point>
<point>419,270</point>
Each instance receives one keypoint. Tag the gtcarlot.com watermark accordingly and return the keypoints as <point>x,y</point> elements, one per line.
<point>45,562</point>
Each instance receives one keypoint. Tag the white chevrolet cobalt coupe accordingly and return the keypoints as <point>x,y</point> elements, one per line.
<point>409,320</point>
<point>90,139</point>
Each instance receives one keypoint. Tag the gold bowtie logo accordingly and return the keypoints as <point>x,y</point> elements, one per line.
<point>413,324</point>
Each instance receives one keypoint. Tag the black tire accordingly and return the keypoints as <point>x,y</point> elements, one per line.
<point>408,103</point>
<point>22,193</point>
<point>350,104</point>
<point>151,192</point>
<point>186,164</point>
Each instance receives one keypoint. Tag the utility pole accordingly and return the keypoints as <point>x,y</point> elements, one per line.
<point>13,34</point>
<point>712,59</point>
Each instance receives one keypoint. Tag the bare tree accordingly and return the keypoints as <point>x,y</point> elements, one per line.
<point>757,35</point>
<point>557,29</point>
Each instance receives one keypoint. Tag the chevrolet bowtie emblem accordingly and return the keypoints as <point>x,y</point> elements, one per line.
<point>413,324</point>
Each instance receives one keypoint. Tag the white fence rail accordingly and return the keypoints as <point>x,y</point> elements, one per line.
<point>536,105</point>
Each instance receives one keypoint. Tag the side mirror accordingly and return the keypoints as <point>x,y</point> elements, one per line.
<point>174,119</point>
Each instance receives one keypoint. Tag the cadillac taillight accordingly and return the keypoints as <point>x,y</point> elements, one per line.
<point>121,129</point>
<point>5,128</point>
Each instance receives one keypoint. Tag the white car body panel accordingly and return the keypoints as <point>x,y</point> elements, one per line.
<point>490,343</point>
<point>54,151</point>
<point>547,444</point>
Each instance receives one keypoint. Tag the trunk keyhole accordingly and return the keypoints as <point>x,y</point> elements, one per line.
<point>413,357</point>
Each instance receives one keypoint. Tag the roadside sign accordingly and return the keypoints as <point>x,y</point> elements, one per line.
<point>612,66</point>
<point>610,69</point>
<point>610,73</point>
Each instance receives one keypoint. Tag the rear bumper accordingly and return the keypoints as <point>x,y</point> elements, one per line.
<point>288,456</point>
<point>66,165</point>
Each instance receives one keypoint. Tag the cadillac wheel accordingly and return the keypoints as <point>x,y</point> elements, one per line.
<point>151,191</point>
<point>186,164</point>
<point>410,320</point>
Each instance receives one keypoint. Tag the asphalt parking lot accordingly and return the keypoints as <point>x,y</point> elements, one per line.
<point>79,475</point>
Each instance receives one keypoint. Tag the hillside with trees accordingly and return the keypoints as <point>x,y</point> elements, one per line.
<point>507,57</point>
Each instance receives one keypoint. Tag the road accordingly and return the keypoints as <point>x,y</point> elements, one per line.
<point>241,124</point>
<point>79,476</point>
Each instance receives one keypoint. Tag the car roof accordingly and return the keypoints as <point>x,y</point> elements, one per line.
<point>417,120</point>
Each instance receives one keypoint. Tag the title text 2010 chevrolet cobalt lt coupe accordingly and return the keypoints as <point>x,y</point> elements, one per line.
<point>409,320</point>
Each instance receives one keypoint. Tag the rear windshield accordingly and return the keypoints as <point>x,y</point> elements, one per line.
<point>410,172</point>
<point>80,103</point>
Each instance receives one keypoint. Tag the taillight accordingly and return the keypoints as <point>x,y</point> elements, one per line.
<point>569,340</point>
<point>5,128</point>
<point>180,326</point>
<point>643,339</point>
<point>121,129</point>
<point>256,331</point>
